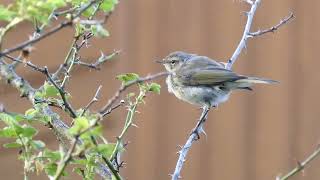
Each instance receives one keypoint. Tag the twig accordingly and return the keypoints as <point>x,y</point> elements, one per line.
<point>301,165</point>
<point>50,32</point>
<point>66,159</point>
<point>93,100</point>
<point>61,92</point>
<point>247,34</point>
<point>125,86</point>
<point>194,136</point>
<point>128,123</point>
<point>32,41</point>
<point>273,28</point>
<point>57,125</point>
<point>102,59</point>
<point>113,108</point>
<point>243,41</point>
<point>27,63</point>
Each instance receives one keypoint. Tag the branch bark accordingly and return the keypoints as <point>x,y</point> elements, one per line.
<point>301,165</point>
<point>194,136</point>
<point>243,41</point>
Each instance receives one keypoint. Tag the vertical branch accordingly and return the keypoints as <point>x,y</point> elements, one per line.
<point>246,33</point>
<point>194,136</point>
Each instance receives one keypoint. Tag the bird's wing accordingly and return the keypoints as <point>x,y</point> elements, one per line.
<point>204,71</point>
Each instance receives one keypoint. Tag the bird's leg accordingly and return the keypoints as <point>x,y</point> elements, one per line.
<point>199,127</point>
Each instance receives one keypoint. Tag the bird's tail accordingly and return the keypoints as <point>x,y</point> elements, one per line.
<point>247,82</point>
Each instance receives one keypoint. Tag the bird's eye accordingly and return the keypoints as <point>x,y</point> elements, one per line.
<point>173,62</point>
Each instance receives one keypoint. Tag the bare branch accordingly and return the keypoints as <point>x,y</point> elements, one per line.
<point>247,34</point>
<point>194,136</point>
<point>243,41</point>
<point>102,59</point>
<point>93,100</point>
<point>273,28</point>
<point>301,165</point>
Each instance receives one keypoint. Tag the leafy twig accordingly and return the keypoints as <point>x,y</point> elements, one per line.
<point>102,59</point>
<point>125,86</point>
<point>59,128</point>
<point>128,123</point>
<point>61,92</point>
<point>50,32</point>
<point>66,159</point>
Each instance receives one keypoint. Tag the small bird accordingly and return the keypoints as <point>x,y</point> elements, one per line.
<point>202,81</point>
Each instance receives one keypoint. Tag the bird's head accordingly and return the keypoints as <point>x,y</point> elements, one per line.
<point>175,60</point>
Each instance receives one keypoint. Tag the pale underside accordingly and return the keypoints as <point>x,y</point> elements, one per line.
<point>198,95</point>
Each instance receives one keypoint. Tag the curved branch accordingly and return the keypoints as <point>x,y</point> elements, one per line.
<point>245,36</point>
<point>194,136</point>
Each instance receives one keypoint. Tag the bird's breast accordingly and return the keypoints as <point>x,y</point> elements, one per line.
<point>198,95</point>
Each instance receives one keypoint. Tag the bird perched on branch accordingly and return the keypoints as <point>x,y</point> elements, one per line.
<point>202,81</point>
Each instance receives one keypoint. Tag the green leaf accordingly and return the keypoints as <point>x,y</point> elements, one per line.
<point>108,5</point>
<point>154,87</point>
<point>8,119</point>
<point>50,90</point>
<point>51,169</point>
<point>20,117</point>
<point>52,155</point>
<point>106,149</point>
<point>99,31</point>
<point>29,131</point>
<point>37,144</point>
<point>80,124</point>
<point>6,14</point>
<point>87,13</point>
<point>79,161</point>
<point>80,29</point>
<point>31,113</point>
<point>8,132</point>
<point>12,145</point>
<point>79,171</point>
<point>128,77</point>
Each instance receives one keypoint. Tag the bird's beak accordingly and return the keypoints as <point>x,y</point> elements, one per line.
<point>160,61</point>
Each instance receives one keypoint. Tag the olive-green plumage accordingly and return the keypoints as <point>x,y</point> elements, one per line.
<point>202,81</point>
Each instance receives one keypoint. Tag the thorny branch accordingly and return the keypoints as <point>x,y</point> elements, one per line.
<point>246,35</point>
<point>50,32</point>
<point>301,165</point>
<point>125,86</point>
<point>193,137</point>
<point>93,100</point>
<point>273,28</point>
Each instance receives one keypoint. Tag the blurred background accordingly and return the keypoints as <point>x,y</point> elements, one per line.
<point>255,135</point>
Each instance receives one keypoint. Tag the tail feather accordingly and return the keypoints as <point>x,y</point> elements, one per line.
<point>255,80</point>
<point>247,82</point>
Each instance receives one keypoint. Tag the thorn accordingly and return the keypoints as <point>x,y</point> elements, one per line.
<point>134,125</point>
<point>201,130</point>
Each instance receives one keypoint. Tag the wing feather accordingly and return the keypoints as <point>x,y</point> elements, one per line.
<point>201,70</point>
